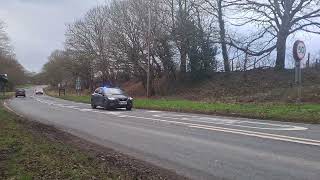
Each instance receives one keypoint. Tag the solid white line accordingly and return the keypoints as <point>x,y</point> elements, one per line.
<point>309,142</point>
<point>237,123</point>
<point>11,110</point>
<point>243,132</point>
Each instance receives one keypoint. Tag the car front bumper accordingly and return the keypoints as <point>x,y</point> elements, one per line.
<point>20,94</point>
<point>117,104</point>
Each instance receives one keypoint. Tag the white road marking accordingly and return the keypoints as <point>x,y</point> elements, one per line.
<point>266,136</point>
<point>11,110</point>
<point>242,132</point>
<point>86,110</point>
<point>215,128</point>
<point>154,111</point>
<point>230,122</point>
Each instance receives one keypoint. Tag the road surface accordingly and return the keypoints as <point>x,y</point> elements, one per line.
<point>197,146</point>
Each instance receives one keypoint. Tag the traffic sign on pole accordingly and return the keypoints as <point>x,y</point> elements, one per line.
<point>299,52</point>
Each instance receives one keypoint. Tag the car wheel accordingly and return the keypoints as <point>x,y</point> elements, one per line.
<point>93,106</point>
<point>129,108</point>
<point>106,106</point>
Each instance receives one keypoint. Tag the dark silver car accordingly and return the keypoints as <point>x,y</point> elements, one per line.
<point>20,92</point>
<point>111,98</point>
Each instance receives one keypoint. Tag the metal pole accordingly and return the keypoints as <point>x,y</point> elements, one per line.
<point>308,62</point>
<point>298,80</point>
<point>149,37</point>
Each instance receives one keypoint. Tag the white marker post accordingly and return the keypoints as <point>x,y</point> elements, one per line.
<point>78,86</point>
<point>299,52</point>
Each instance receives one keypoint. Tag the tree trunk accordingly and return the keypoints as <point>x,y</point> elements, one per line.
<point>223,38</point>
<point>281,51</point>
<point>183,59</point>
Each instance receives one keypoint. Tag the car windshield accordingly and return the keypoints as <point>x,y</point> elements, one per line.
<point>113,91</point>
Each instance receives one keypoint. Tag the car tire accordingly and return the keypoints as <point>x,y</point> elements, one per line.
<point>93,106</point>
<point>129,108</point>
<point>106,105</point>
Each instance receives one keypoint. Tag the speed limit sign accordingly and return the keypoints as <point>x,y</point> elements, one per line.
<point>299,50</point>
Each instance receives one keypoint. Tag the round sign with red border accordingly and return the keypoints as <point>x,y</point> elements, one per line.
<point>299,50</point>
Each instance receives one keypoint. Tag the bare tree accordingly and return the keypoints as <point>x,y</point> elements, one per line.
<point>87,39</point>
<point>5,46</point>
<point>277,20</point>
<point>217,8</point>
<point>182,14</point>
<point>58,69</point>
<point>8,63</point>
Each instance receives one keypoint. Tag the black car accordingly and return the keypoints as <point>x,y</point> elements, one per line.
<point>109,98</point>
<point>20,92</point>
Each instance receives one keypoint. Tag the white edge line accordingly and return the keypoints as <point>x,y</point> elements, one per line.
<point>11,110</point>
<point>243,132</point>
<point>261,136</point>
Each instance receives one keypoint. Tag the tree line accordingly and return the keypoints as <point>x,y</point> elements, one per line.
<point>186,38</point>
<point>9,65</point>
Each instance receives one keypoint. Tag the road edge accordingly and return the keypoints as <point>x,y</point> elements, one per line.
<point>135,168</point>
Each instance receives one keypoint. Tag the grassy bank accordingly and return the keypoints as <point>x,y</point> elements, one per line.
<point>308,113</point>
<point>24,155</point>
<point>30,150</point>
<point>6,96</point>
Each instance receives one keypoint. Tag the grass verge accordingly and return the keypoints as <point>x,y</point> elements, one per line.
<point>24,155</point>
<point>30,150</point>
<point>305,113</point>
<point>6,96</point>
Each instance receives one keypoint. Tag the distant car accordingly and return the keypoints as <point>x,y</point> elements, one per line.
<point>109,98</point>
<point>20,92</point>
<point>39,92</point>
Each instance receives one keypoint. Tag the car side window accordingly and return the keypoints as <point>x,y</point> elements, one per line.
<point>97,91</point>
<point>100,91</point>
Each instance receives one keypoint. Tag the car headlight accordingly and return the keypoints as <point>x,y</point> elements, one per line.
<point>111,98</point>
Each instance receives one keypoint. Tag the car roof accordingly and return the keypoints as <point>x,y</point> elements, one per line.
<point>110,88</point>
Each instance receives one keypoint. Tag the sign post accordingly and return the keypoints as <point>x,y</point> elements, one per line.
<point>299,52</point>
<point>61,89</point>
<point>3,81</point>
<point>78,85</point>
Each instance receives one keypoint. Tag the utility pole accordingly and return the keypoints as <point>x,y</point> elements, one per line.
<point>149,57</point>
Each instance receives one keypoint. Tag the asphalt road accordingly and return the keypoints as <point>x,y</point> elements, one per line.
<point>197,146</point>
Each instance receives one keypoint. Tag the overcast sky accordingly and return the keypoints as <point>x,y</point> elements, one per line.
<point>37,27</point>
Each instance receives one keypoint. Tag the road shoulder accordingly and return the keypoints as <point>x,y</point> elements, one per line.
<point>104,163</point>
